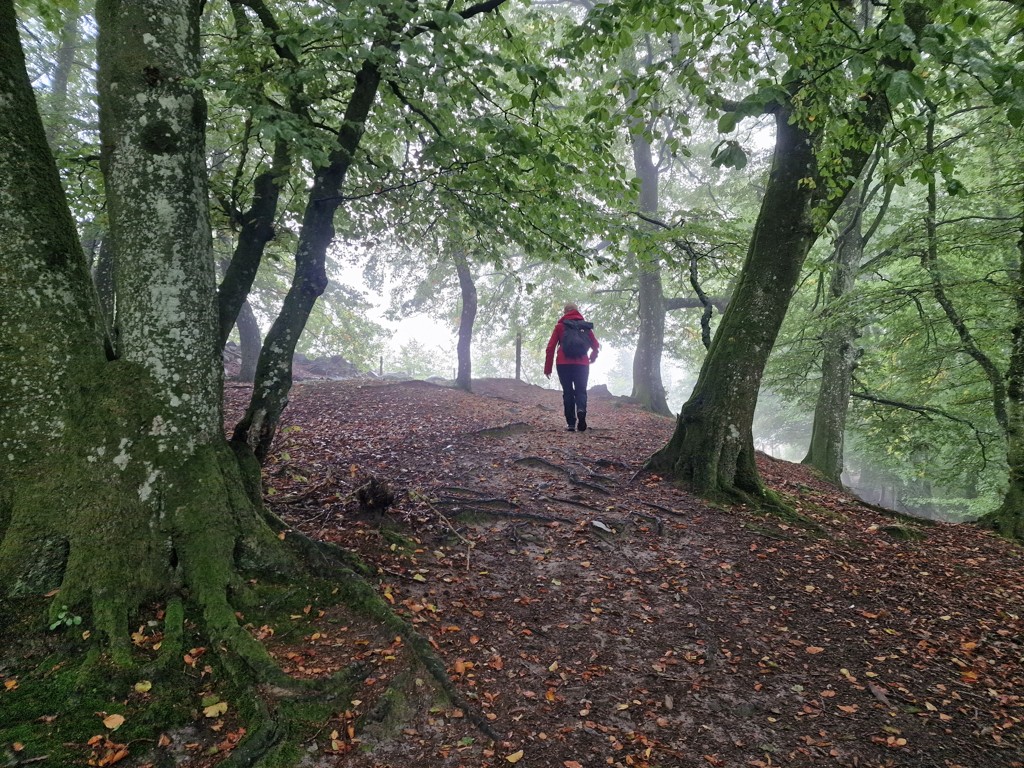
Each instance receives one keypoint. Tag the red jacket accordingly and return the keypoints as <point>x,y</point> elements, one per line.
<point>555,341</point>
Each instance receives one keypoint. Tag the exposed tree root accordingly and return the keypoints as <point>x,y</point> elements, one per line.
<point>573,477</point>
<point>515,514</point>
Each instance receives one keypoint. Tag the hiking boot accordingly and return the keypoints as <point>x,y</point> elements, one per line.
<point>581,421</point>
<point>571,428</point>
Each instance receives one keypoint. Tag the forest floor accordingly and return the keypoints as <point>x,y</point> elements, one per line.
<point>592,614</point>
<point>599,615</point>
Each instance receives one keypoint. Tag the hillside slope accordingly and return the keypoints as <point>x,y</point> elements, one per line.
<point>591,614</point>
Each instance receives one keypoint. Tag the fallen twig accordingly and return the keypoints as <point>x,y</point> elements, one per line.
<point>416,496</point>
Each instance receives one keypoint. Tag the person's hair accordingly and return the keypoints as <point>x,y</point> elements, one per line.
<point>570,307</point>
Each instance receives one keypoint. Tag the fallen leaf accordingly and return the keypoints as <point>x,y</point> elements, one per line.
<point>813,649</point>
<point>849,708</point>
<point>572,764</point>
<point>143,686</point>
<point>113,722</point>
<point>216,710</point>
<point>515,757</point>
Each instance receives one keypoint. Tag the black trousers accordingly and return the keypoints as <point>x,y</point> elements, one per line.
<point>573,378</point>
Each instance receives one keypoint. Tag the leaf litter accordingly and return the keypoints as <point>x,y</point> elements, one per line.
<point>598,615</point>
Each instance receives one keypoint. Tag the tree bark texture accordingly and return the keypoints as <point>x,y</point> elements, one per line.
<point>648,388</point>
<point>464,376</point>
<point>152,126</point>
<point>839,352</point>
<point>116,483</point>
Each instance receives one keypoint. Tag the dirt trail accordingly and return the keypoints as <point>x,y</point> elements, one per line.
<point>597,615</point>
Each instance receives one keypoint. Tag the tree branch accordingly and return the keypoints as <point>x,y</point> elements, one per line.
<point>926,411</point>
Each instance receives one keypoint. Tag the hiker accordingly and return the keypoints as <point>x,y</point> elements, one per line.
<point>577,349</point>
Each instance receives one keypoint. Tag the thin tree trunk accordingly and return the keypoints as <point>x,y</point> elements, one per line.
<point>249,336</point>
<point>63,64</point>
<point>103,277</point>
<point>256,231</point>
<point>839,353</point>
<point>519,356</point>
<point>464,376</point>
<point>648,389</point>
<point>930,263</point>
<point>274,370</point>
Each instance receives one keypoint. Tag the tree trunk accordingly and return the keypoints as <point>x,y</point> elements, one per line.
<point>519,355</point>
<point>712,449</point>
<point>839,353</point>
<point>117,486</point>
<point>464,376</point>
<point>648,389</point>
<point>1008,519</point>
<point>274,370</point>
<point>256,231</point>
<point>249,335</point>
<point>64,62</point>
<point>103,279</point>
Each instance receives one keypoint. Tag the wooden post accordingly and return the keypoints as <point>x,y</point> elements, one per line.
<point>381,372</point>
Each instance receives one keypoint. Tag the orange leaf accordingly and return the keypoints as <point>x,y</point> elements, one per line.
<point>113,722</point>
<point>812,649</point>
<point>849,709</point>
<point>571,764</point>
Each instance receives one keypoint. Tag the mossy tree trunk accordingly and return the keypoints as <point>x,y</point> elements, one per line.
<point>839,351</point>
<point>648,388</point>
<point>116,484</point>
<point>1008,519</point>
<point>712,449</point>
<point>467,288</point>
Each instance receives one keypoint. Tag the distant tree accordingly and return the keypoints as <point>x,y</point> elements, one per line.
<point>467,316</point>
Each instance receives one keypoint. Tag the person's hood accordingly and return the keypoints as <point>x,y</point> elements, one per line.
<point>574,315</point>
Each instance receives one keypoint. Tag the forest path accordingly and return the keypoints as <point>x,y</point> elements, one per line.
<point>598,615</point>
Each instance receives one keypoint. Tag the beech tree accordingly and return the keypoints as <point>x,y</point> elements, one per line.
<point>116,483</point>
<point>816,156</point>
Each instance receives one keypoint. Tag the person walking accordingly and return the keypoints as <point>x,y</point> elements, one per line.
<point>577,346</point>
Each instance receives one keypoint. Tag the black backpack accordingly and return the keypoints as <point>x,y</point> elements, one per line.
<point>575,338</point>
